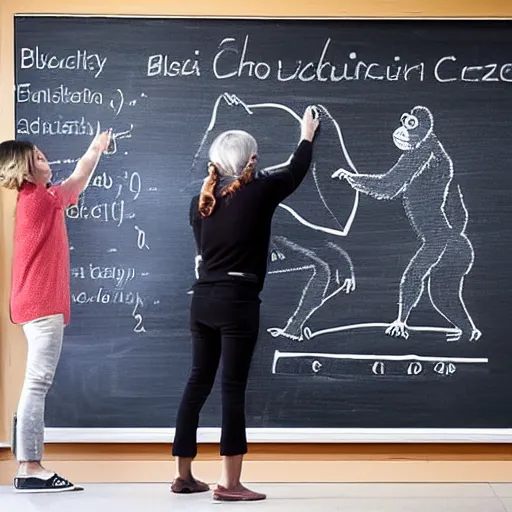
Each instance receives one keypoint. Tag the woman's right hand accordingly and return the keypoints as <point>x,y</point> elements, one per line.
<point>102,141</point>
<point>309,124</point>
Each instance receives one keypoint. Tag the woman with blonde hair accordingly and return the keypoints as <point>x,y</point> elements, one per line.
<point>231,220</point>
<point>40,289</point>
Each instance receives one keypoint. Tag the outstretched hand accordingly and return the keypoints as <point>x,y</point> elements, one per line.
<point>342,174</point>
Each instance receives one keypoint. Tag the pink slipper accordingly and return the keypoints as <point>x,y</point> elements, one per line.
<point>239,494</point>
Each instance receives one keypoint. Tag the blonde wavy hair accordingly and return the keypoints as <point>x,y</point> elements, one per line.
<point>16,161</point>
<point>234,154</point>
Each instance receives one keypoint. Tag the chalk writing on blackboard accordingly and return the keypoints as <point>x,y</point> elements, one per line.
<point>81,60</point>
<point>235,59</point>
<point>60,95</point>
<point>331,364</point>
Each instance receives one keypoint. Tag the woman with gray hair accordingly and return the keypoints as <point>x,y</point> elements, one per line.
<point>231,220</point>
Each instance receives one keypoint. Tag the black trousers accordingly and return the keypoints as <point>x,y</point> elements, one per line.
<point>224,322</point>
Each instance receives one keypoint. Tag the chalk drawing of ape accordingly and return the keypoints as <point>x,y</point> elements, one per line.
<point>434,204</point>
<point>330,268</point>
<point>327,265</point>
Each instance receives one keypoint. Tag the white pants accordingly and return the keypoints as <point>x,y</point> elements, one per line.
<point>44,340</point>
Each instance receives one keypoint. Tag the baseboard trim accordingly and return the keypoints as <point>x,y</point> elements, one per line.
<point>127,471</point>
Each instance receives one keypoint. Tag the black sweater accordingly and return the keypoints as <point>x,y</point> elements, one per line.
<point>235,237</point>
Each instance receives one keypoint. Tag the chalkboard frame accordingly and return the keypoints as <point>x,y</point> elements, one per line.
<point>279,435</point>
<point>285,435</point>
<point>267,18</point>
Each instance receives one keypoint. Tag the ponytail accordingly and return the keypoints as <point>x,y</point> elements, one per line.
<point>244,178</point>
<point>207,196</point>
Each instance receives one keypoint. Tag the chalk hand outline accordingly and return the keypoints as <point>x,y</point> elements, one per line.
<point>349,285</point>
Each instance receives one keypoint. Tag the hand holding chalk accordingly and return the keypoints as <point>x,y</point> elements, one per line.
<point>103,140</point>
<point>310,122</point>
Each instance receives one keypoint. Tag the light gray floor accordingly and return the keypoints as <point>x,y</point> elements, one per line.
<point>281,497</point>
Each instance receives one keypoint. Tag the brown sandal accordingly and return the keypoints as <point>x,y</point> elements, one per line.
<point>239,494</point>
<point>181,486</point>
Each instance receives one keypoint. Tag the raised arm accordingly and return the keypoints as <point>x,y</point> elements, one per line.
<point>285,180</point>
<point>80,177</point>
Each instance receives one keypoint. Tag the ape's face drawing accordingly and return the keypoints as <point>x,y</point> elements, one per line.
<point>415,127</point>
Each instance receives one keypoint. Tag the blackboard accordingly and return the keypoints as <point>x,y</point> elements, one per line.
<point>324,369</point>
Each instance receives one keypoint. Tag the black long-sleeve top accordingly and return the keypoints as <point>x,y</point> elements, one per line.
<point>235,237</point>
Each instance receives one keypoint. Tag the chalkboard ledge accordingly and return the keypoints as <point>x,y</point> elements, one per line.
<point>284,435</point>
